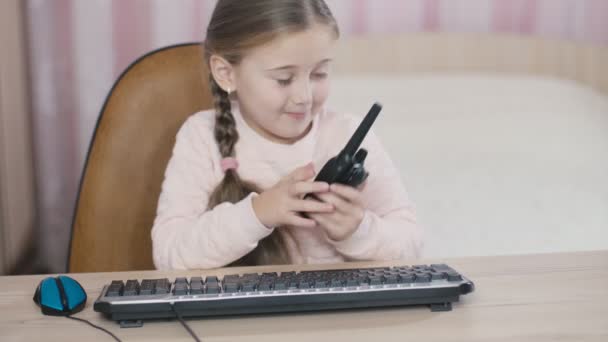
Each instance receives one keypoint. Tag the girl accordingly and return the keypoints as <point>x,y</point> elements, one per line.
<point>234,188</point>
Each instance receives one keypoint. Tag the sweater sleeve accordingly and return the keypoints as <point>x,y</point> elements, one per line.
<point>185,234</point>
<point>389,229</point>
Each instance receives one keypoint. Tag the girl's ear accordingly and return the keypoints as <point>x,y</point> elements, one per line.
<point>222,72</point>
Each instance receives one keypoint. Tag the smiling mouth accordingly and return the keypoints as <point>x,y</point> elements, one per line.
<point>296,115</point>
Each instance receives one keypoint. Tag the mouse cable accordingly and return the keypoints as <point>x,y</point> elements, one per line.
<point>179,317</point>
<point>181,320</point>
<point>94,326</point>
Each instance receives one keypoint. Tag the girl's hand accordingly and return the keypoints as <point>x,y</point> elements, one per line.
<point>281,204</point>
<point>348,214</point>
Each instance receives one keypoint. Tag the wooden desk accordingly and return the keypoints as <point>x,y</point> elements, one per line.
<point>517,298</point>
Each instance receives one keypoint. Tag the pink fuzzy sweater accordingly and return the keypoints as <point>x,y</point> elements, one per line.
<point>186,235</point>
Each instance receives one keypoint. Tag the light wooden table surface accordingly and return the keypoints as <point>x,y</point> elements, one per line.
<point>546,297</point>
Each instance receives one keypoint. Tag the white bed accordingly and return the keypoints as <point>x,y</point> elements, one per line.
<point>495,162</point>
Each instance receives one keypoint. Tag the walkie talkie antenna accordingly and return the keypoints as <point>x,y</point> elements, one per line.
<point>355,141</point>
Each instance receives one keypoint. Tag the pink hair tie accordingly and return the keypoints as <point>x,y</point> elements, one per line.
<point>229,163</point>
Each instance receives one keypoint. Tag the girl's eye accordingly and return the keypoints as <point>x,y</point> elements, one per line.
<point>319,75</point>
<point>284,82</point>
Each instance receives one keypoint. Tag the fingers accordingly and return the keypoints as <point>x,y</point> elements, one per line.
<point>334,230</point>
<point>299,221</point>
<point>312,206</point>
<point>303,188</point>
<point>302,173</point>
<point>342,205</point>
<point>322,220</point>
<point>299,183</point>
<point>347,193</point>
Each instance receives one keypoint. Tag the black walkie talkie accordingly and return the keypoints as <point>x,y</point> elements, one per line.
<point>347,166</point>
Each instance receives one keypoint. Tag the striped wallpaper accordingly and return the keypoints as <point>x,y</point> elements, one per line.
<point>78,48</point>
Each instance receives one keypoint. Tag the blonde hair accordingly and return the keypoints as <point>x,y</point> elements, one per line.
<point>235,27</point>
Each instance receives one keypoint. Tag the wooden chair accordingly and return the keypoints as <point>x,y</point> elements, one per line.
<point>128,155</point>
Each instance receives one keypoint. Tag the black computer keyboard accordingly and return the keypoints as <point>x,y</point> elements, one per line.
<point>437,285</point>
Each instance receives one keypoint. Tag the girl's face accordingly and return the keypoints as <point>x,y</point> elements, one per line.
<point>282,85</point>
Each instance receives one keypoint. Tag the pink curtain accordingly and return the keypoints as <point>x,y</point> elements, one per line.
<point>78,48</point>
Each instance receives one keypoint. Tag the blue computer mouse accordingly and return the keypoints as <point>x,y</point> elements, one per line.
<point>60,296</point>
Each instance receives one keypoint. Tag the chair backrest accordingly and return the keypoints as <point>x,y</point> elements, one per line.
<point>128,155</point>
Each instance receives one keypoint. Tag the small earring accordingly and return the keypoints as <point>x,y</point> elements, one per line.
<point>228,90</point>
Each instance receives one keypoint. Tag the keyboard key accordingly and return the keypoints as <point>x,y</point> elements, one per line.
<point>423,277</point>
<point>163,286</point>
<point>352,283</point>
<point>420,268</point>
<point>230,287</point>
<point>211,279</point>
<point>320,284</point>
<point>265,286</point>
<point>231,278</point>
<point>375,280</point>
<point>363,280</point>
<point>180,290</point>
<point>115,289</point>
<point>440,267</point>
<point>437,275</point>
<point>270,275</point>
<point>336,283</point>
<point>304,285</point>
<point>249,287</point>
<point>196,285</point>
<point>180,287</point>
<point>280,286</point>
<point>406,278</point>
<point>251,276</point>
<point>131,288</point>
<point>212,288</point>
<point>453,276</point>
<point>390,279</point>
<point>147,287</point>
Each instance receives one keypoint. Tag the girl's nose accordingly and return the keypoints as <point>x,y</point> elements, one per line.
<point>302,93</point>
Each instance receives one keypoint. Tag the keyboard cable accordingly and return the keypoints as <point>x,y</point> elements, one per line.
<point>183,322</point>
<point>94,326</point>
